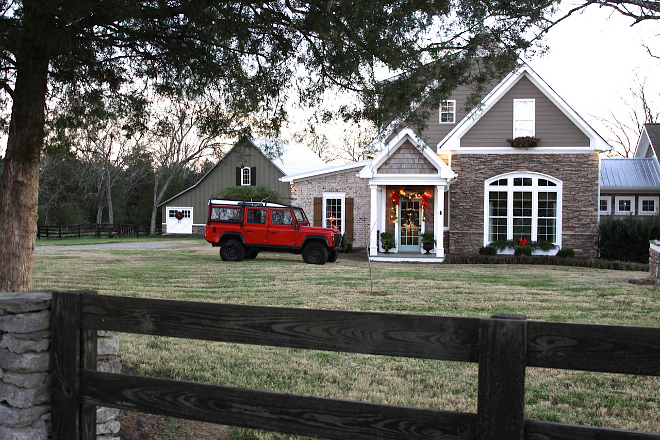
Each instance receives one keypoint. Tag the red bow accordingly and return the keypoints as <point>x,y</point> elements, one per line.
<point>425,200</point>
<point>522,242</point>
<point>394,200</point>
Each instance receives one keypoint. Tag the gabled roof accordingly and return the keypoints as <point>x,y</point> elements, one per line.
<point>295,158</point>
<point>370,171</point>
<point>292,159</point>
<point>326,171</point>
<point>452,141</point>
<point>629,174</point>
<point>649,139</point>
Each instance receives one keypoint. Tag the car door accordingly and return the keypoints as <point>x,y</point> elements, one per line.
<point>281,228</point>
<point>256,231</point>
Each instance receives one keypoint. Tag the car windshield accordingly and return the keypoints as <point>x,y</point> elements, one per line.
<point>300,216</point>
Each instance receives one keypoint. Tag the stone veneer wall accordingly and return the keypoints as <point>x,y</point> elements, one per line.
<point>348,182</point>
<point>654,261</point>
<point>24,369</point>
<point>578,172</point>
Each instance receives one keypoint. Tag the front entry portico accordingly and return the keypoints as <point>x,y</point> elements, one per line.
<point>408,183</point>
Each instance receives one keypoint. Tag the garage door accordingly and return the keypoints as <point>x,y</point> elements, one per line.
<point>179,220</point>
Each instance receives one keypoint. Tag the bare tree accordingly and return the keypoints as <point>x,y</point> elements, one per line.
<point>625,129</point>
<point>183,132</point>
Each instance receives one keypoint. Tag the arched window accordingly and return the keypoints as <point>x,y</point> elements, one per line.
<point>522,205</point>
<point>246,176</point>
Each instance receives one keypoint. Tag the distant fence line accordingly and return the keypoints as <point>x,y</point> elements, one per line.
<point>120,229</point>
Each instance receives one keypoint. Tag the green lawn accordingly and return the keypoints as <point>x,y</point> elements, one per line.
<point>192,270</point>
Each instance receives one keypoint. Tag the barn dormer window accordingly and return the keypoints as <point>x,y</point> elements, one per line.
<point>245,176</point>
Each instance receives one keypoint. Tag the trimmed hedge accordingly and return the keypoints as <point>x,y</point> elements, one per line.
<point>627,239</point>
<point>547,261</point>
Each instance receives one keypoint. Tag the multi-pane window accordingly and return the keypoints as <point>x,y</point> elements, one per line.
<point>448,112</point>
<point>604,205</point>
<point>497,216</point>
<point>333,213</point>
<point>246,178</point>
<point>523,207</point>
<point>334,209</point>
<point>648,205</point>
<point>179,213</point>
<point>624,205</point>
<point>524,117</point>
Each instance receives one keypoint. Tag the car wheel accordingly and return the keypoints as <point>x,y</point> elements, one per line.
<point>332,256</point>
<point>315,253</point>
<point>251,254</point>
<point>232,250</point>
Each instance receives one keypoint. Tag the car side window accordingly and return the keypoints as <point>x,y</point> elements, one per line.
<point>256,216</point>
<point>281,218</point>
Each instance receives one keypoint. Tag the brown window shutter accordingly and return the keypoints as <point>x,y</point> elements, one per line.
<point>318,211</point>
<point>349,218</point>
<point>253,176</point>
<point>238,176</point>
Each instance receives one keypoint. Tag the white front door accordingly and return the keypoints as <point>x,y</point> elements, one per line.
<point>179,220</point>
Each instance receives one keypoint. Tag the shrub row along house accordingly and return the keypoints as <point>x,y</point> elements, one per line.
<point>521,166</point>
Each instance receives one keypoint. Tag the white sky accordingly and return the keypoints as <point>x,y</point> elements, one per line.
<point>596,58</point>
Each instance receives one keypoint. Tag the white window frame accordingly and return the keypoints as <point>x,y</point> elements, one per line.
<point>631,199</point>
<point>643,199</point>
<point>607,199</point>
<point>246,172</point>
<point>524,111</point>
<point>452,112</point>
<point>535,189</point>
<point>338,196</point>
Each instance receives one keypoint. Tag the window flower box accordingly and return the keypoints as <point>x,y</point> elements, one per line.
<point>524,142</point>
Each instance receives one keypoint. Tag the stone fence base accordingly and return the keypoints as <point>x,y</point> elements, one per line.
<point>654,261</point>
<point>25,410</point>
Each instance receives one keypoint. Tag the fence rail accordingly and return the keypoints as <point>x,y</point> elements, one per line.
<point>122,229</point>
<point>503,346</point>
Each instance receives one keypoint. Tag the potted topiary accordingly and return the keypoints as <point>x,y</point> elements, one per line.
<point>387,241</point>
<point>428,241</point>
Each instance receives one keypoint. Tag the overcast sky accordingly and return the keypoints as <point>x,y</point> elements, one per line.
<point>595,58</point>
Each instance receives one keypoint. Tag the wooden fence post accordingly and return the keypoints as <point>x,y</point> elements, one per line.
<point>501,393</point>
<point>70,420</point>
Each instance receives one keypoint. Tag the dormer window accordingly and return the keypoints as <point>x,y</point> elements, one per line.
<point>524,118</point>
<point>448,112</point>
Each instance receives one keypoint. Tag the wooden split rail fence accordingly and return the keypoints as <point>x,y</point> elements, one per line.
<point>503,346</point>
<point>91,230</point>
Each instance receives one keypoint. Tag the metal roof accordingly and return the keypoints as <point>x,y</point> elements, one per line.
<point>636,173</point>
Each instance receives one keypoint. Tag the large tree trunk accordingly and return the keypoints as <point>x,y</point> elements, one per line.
<point>19,187</point>
<point>20,180</point>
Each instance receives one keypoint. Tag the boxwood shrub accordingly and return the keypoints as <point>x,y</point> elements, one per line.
<point>627,239</point>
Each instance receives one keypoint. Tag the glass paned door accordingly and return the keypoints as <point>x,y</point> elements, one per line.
<point>409,226</point>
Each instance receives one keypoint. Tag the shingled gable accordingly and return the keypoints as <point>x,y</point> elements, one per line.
<point>649,141</point>
<point>407,138</point>
<point>452,142</point>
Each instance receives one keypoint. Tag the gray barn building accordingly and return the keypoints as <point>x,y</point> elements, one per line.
<point>250,162</point>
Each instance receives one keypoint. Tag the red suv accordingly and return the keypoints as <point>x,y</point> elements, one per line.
<point>242,229</point>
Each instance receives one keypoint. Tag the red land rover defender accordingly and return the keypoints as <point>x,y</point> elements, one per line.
<point>242,229</point>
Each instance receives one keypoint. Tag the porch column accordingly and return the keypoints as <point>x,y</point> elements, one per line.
<point>439,221</point>
<point>373,222</point>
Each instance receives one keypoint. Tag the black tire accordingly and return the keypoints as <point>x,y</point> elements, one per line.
<point>315,253</point>
<point>332,256</point>
<point>232,250</point>
<point>251,254</point>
